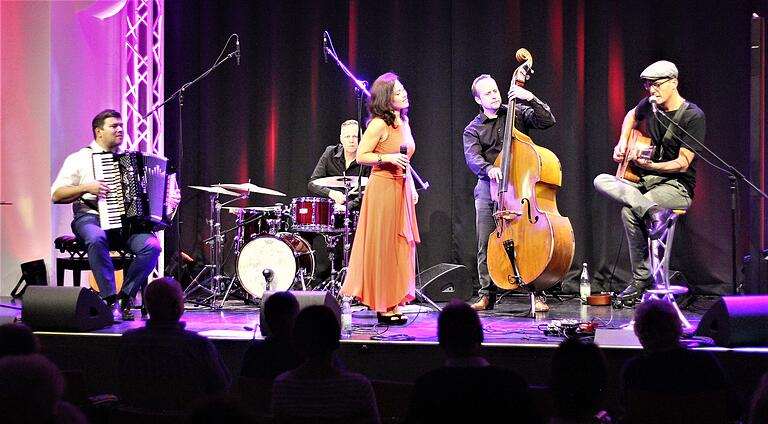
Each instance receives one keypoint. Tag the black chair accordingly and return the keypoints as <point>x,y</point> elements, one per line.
<point>77,261</point>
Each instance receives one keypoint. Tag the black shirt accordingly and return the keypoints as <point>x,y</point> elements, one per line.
<point>484,136</point>
<point>333,164</point>
<point>692,120</point>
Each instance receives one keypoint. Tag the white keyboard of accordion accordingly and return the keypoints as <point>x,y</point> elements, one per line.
<point>111,206</point>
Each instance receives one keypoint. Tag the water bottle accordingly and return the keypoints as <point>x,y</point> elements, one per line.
<point>585,289</point>
<point>346,318</point>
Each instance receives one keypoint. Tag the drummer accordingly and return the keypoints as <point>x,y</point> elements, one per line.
<point>338,160</point>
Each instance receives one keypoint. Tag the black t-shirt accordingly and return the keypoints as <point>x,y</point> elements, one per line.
<point>692,120</point>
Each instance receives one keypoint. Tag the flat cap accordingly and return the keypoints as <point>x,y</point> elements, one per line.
<point>659,70</point>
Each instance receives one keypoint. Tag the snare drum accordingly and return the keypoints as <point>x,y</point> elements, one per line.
<point>312,214</point>
<point>285,254</point>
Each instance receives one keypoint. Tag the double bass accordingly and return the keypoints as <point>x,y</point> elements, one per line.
<point>532,244</point>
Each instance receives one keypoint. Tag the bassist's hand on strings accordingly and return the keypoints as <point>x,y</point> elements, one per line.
<point>517,92</point>
<point>494,174</point>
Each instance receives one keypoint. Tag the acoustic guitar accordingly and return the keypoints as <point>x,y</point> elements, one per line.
<point>628,170</point>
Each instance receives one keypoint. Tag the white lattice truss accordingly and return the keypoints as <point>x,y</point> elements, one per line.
<point>142,87</point>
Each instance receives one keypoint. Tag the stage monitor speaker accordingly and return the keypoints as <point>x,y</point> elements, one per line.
<point>444,282</point>
<point>64,309</point>
<point>33,273</point>
<point>736,321</point>
<point>305,298</point>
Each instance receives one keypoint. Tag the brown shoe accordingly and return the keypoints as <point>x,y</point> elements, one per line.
<point>485,303</point>
<point>541,304</point>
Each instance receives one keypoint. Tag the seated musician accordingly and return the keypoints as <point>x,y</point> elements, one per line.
<point>669,177</point>
<point>76,184</point>
<point>337,160</point>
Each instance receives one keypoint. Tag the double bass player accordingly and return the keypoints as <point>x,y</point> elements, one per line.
<point>483,139</point>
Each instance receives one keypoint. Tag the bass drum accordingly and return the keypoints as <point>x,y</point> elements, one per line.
<point>284,253</point>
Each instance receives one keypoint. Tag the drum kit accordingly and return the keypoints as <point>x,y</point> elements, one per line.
<point>271,253</point>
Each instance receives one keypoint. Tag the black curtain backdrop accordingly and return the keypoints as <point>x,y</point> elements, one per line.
<point>269,119</point>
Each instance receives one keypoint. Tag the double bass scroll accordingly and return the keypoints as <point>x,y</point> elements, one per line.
<point>533,245</point>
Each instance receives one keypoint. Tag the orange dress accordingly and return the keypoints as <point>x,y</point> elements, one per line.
<point>382,265</point>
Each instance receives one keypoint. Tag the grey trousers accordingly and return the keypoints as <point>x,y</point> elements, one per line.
<point>485,225</point>
<point>636,199</point>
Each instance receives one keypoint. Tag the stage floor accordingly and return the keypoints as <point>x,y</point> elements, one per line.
<point>507,324</point>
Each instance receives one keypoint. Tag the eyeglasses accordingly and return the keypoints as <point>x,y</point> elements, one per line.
<point>658,83</point>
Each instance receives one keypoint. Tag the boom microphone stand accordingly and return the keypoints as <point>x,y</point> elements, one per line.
<point>180,147</point>
<point>733,178</point>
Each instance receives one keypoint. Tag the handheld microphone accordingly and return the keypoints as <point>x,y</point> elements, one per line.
<point>404,151</point>
<point>654,104</point>
<point>325,46</point>
<point>237,52</point>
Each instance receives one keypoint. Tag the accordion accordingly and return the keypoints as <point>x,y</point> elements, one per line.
<point>139,190</point>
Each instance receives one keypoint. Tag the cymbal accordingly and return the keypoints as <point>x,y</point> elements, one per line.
<point>250,188</point>
<point>217,190</point>
<point>338,181</point>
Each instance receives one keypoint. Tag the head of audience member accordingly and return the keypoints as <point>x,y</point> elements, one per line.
<point>17,339</point>
<point>459,330</point>
<point>107,129</point>
<point>388,96</point>
<point>579,379</point>
<point>317,332</point>
<point>280,310</point>
<point>164,299</point>
<point>31,390</point>
<point>658,326</point>
<point>486,94</point>
<point>350,136</point>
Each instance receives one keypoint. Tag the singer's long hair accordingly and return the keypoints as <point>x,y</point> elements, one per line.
<point>380,103</point>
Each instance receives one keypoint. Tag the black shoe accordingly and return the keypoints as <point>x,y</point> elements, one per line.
<point>110,300</point>
<point>125,307</point>
<point>656,221</point>
<point>633,291</point>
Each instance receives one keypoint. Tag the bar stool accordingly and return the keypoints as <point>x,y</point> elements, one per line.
<point>78,259</point>
<point>659,252</point>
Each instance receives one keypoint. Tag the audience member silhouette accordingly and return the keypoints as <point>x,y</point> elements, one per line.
<point>319,390</point>
<point>467,388</point>
<point>220,409</point>
<point>162,366</point>
<point>17,339</point>
<point>31,390</point>
<point>758,411</point>
<point>266,359</point>
<point>666,378</point>
<point>578,385</point>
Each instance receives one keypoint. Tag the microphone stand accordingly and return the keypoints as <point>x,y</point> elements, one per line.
<point>180,146</point>
<point>734,176</point>
<point>360,85</point>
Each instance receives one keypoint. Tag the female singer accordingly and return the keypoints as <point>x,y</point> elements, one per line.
<point>382,266</point>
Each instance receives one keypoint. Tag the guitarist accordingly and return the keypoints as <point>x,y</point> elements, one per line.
<point>668,177</point>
